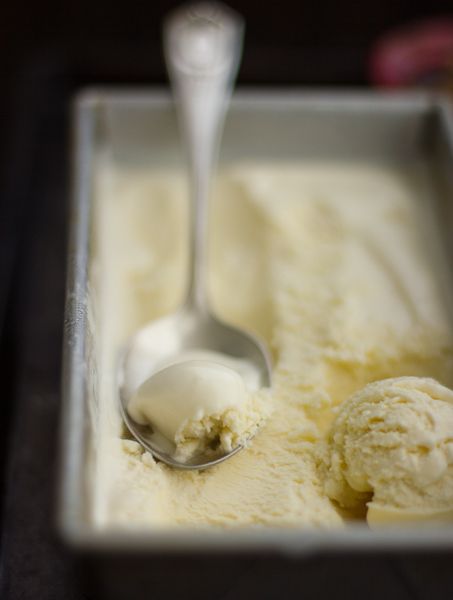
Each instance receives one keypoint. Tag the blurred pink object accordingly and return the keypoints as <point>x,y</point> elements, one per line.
<point>417,55</point>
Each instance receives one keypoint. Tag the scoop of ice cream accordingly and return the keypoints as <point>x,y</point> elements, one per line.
<point>200,405</point>
<point>391,447</point>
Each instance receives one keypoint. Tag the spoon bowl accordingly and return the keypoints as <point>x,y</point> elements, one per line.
<point>159,344</point>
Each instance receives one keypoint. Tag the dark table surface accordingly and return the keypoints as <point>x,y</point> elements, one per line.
<point>34,205</point>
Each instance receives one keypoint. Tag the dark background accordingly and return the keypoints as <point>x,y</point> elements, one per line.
<point>49,50</point>
<point>288,41</point>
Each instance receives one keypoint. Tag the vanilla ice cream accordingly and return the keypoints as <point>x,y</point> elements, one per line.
<point>332,264</point>
<point>391,447</point>
<point>201,404</point>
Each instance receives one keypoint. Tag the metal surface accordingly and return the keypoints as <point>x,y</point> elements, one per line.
<point>260,125</point>
<point>202,47</point>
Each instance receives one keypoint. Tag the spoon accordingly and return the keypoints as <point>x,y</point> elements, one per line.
<point>202,44</point>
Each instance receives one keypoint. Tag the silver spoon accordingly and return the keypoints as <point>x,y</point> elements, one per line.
<point>202,46</point>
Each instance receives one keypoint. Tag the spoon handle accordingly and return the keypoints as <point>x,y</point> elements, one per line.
<point>202,45</point>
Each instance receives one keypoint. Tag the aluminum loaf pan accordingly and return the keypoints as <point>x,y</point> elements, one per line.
<point>264,124</point>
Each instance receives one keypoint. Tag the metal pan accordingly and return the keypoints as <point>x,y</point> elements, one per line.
<point>261,124</point>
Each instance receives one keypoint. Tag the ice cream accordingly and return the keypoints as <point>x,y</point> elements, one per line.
<point>391,447</point>
<point>331,263</point>
<point>202,403</point>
